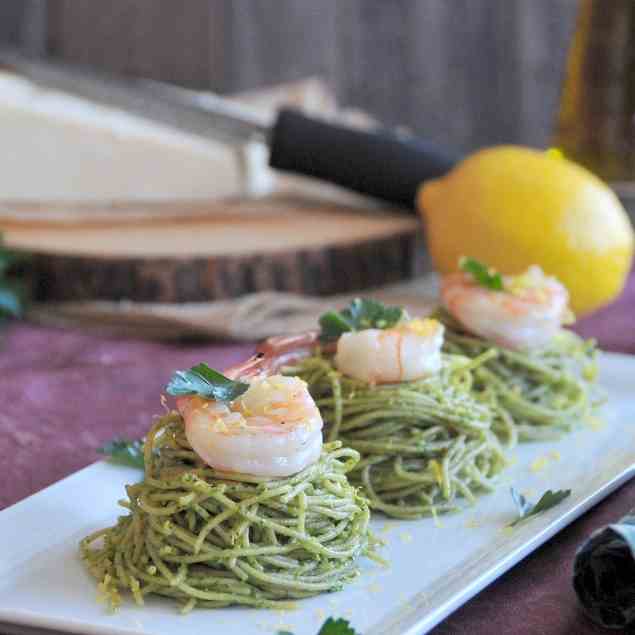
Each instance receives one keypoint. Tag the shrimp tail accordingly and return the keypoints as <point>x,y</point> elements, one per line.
<point>276,352</point>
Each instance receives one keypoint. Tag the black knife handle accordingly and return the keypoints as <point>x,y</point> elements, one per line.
<point>381,164</point>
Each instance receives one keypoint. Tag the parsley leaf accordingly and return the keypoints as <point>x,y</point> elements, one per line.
<point>336,627</point>
<point>10,301</point>
<point>12,292</point>
<point>333,324</point>
<point>361,314</point>
<point>526,509</point>
<point>124,452</point>
<point>332,627</point>
<point>206,382</point>
<point>482,274</point>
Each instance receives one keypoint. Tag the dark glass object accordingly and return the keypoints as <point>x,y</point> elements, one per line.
<point>596,122</point>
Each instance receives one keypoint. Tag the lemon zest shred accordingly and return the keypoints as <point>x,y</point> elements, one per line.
<point>424,327</point>
<point>437,472</point>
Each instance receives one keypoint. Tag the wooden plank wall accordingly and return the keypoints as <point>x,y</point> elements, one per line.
<point>464,72</point>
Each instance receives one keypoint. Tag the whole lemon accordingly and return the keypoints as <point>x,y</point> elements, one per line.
<point>511,207</point>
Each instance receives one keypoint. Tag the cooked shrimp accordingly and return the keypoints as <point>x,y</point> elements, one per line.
<point>526,314</point>
<point>411,350</point>
<point>275,353</point>
<point>272,429</point>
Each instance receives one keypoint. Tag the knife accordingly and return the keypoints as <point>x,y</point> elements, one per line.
<point>385,164</point>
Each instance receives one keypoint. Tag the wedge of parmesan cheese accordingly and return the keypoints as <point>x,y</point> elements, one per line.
<point>56,147</point>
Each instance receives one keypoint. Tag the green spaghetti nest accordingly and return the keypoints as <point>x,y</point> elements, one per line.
<point>424,444</point>
<point>546,392</point>
<point>209,539</point>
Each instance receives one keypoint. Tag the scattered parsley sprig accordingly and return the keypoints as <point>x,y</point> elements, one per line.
<point>206,382</point>
<point>527,509</point>
<point>124,452</point>
<point>331,627</point>
<point>12,291</point>
<point>482,274</point>
<point>361,314</point>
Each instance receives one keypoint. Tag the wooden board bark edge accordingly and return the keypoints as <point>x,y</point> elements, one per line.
<point>318,271</point>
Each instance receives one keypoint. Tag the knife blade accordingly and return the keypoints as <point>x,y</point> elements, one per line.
<point>227,122</point>
<point>379,163</point>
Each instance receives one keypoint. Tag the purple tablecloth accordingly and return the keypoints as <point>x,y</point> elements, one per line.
<point>65,393</point>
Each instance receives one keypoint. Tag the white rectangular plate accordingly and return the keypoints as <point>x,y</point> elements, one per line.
<point>435,567</point>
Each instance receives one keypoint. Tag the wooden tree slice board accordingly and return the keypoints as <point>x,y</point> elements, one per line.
<point>179,252</point>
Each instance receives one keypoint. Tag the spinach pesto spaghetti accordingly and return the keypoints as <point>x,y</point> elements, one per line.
<point>539,374</point>
<point>385,389</point>
<point>241,503</point>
